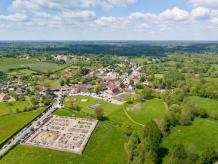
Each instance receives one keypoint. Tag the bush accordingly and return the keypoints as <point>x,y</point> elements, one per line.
<point>175,108</point>
<point>203,113</point>
<point>209,156</point>
<point>99,113</point>
<point>186,118</point>
<point>128,129</point>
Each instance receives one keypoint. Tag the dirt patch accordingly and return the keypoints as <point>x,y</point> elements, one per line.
<point>137,106</point>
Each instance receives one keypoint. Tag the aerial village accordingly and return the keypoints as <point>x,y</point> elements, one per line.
<point>69,134</point>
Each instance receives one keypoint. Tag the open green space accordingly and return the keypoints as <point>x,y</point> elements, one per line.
<point>13,63</point>
<point>20,73</point>
<point>8,63</point>
<point>210,105</point>
<point>46,67</point>
<point>51,83</point>
<point>106,145</point>
<point>201,133</point>
<point>151,109</point>
<point>139,60</point>
<point>10,108</point>
<point>9,124</point>
<point>86,102</point>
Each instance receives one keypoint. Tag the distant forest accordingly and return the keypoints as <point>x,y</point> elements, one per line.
<point>124,48</point>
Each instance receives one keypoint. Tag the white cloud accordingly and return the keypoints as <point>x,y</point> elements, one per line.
<point>79,15</point>
<point>205,3</point>
<point>175,14</point>
<point>201,13</point>
<point>15,17</point>
<point>37,5</point>
<point>215,20</point>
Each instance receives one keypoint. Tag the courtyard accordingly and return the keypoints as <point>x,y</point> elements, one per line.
<point>64,134</point>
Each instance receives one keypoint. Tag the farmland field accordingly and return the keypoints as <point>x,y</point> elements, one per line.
<point>9,124</point>
<point>12,63</point>
<point>22,72</point>
<point>9,108</point>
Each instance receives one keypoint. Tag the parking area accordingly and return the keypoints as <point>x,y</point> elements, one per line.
<point>64,134</point>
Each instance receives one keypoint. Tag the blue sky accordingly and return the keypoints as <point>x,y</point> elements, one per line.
<point>108,19</point>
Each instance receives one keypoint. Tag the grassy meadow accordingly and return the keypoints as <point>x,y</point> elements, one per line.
<point>9,124</point>
<point>151,109</point>
<point>13,63</point>
<point>201,133</point>
<point>210,105</point>
<point>10,108</point>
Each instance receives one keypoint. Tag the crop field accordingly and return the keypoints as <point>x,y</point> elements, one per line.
<point>10,108</point>
<point>209,105</point>
<point>106,145</point>
<point>151,109</point>
<point>201,133</point>
<point>9,124</point>
<point>12,63</point>
<point>8,63</point>
<point>22,72</point>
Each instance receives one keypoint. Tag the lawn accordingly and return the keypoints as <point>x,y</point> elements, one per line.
<point>85,102</point>
<point>9,124</point>
<point>106,145</point>
<point>201,133</point>
<point>10,108</point>
<point>151,109</point>
<point>210,105</point>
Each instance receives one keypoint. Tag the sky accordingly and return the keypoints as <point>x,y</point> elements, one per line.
<point>108,19</point>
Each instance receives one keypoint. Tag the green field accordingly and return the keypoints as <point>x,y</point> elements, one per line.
<point>210,105</point>
<point>9,124</point>
<point>7,63</point>
<point>20,73</point>
<point>106,145</point>
<point>151,109</point>
<point>7,108</point>
<point>201,133</point>
<point>86,102</point>
<point>45,67</point>
<point>51,83</point>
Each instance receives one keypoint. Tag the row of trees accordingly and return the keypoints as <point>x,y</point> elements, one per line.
<point>180,155</point>
<point>145,149</point>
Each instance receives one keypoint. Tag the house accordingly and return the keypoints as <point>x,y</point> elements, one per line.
<point>61,57</point>
<point>6,98</point>
<point>19,91</point>
<point>25,56</point>
<point>10,90</point>
<point>2,86</point>
<point>2,95</point>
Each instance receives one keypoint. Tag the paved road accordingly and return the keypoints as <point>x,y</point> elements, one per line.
<point>26,131</point>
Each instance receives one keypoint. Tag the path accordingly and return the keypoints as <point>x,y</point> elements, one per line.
<point>131,119</point>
